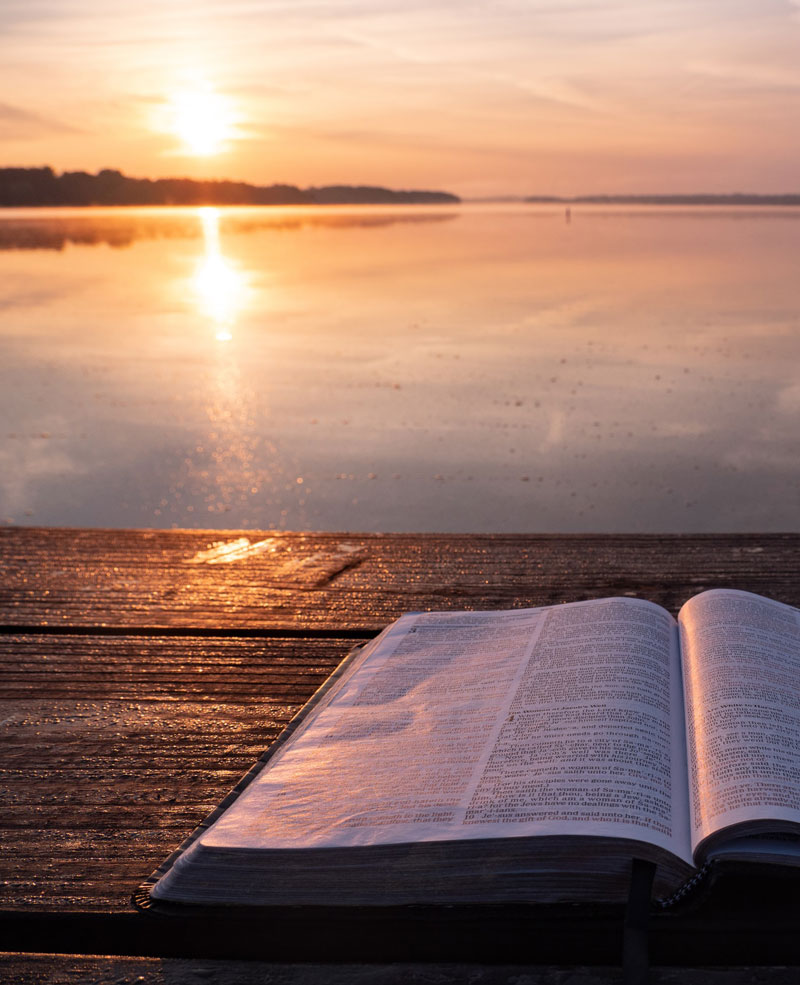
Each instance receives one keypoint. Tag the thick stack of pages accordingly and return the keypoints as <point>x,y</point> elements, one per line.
<point>525,755</point>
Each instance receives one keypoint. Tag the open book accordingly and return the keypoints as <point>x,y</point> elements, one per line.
<point>523,755</point>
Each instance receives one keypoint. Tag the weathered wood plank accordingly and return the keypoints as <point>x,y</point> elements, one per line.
<point>70,969</point>
<point>115,748</point>
<point>117,745</point>
<point>178,578</point>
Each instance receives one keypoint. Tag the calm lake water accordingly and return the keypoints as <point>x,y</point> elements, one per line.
<point>441,369</point>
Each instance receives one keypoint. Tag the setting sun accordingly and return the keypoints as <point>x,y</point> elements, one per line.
<point>202,119</point>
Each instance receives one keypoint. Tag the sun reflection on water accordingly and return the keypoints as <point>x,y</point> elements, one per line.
<point>220,286</point>
<point>501,372</point>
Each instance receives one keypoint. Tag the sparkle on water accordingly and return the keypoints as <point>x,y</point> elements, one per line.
<point>446,369</point>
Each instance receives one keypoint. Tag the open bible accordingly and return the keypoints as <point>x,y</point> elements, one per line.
<point>522,756</point>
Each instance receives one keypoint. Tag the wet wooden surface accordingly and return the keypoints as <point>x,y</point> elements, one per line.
<point>116,747</point>
<point>345,582</point>
<point>141,673</point>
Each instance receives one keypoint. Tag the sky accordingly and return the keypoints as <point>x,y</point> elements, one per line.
<point>508,97</point>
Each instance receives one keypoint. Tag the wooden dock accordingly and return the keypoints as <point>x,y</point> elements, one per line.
<point>145,671</point>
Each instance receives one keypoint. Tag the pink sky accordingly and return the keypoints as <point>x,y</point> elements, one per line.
<point>508,97</point>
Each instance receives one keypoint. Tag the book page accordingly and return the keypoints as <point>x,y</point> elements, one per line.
<point>481,725</point>
<point>741,668</point>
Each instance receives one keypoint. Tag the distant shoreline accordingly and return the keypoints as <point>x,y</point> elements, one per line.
<point>698,199</point>
<point>42,187</point>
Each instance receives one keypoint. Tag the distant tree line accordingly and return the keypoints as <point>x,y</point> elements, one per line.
<point>42,186</point>
<point>737,198</point>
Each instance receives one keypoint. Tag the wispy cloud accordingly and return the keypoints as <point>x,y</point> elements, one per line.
<point>751,77</point>
<point>675,80</point>
<point>17,123</point>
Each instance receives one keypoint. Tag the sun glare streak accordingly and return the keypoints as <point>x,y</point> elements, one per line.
<point>221,288</point>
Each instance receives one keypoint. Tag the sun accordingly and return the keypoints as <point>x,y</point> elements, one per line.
<point>202,119</point>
